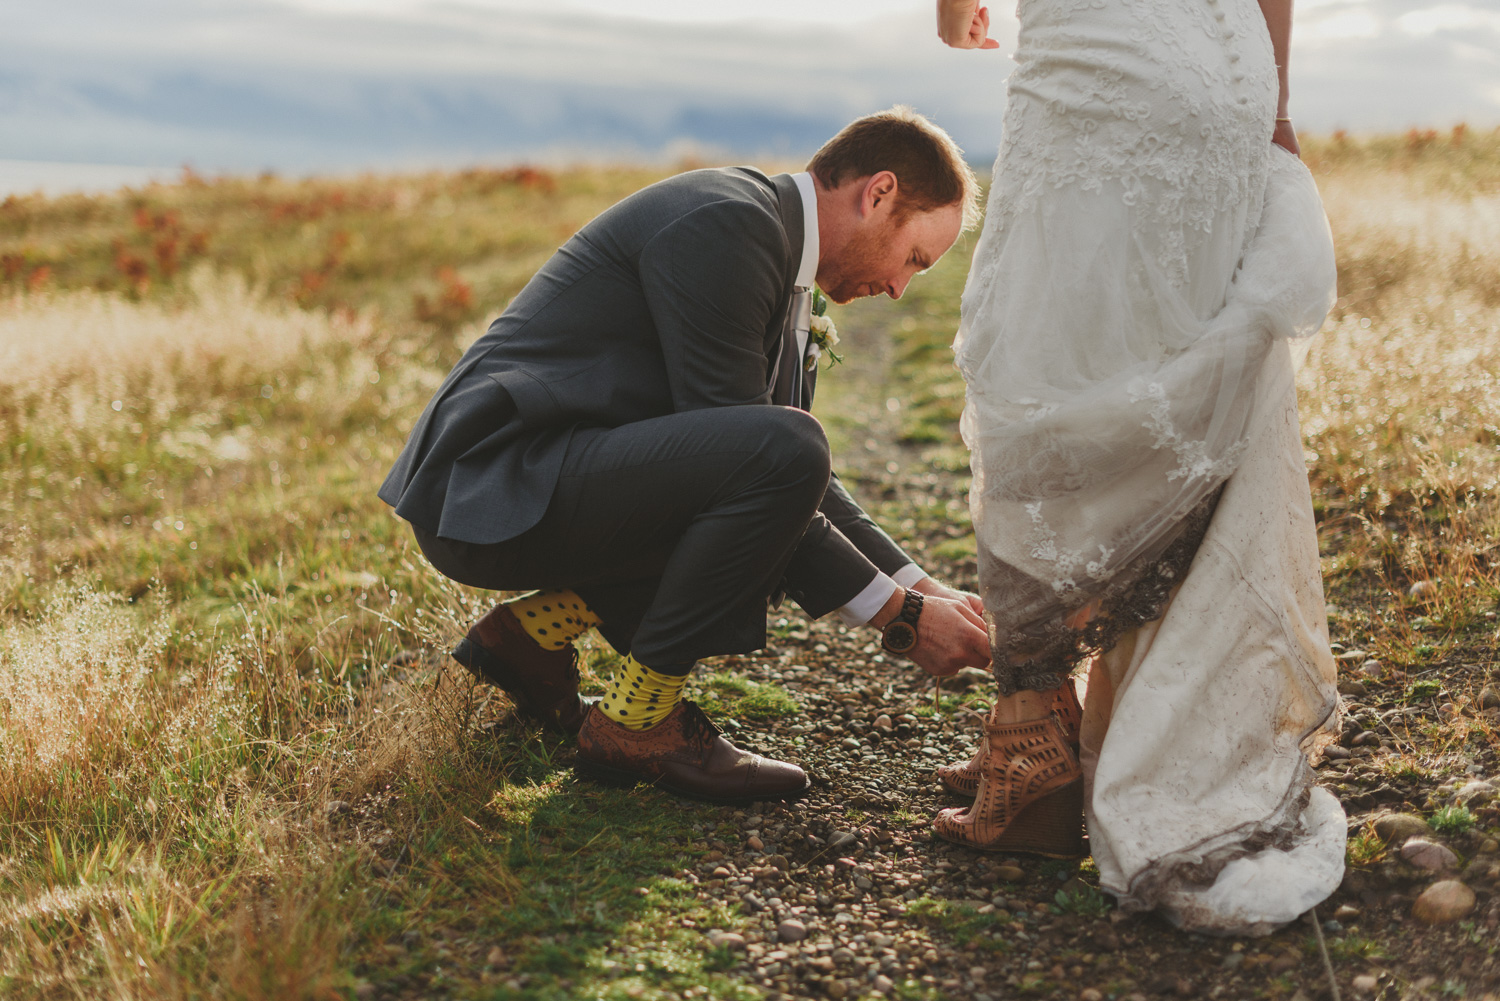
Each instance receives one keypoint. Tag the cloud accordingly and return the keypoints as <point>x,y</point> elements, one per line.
<point>321,84</point>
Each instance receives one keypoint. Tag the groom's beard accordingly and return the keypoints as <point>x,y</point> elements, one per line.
<point>856,272</point>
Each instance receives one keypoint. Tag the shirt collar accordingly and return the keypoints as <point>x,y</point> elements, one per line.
<point>808,271</point>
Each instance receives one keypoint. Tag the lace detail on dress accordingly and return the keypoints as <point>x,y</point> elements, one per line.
<point>1193,458</point>
<point>1166,103</point>
<point>1037,657</point>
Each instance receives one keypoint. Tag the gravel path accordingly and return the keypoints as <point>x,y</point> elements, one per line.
<point>849,895</point>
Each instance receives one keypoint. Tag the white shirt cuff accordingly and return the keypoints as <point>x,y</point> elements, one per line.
<point>863,606</point>
<point>909,575</point>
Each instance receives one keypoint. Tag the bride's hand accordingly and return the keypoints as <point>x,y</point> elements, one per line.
<point>1286,137</point>
<point>964,24</point>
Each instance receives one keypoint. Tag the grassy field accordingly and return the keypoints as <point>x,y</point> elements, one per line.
<point>236,760</point>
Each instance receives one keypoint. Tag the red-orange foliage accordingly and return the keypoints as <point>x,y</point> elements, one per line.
<point>453,305</point>
<point>529,178</point>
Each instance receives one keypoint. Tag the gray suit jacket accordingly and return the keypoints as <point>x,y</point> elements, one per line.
<point>671,300</point>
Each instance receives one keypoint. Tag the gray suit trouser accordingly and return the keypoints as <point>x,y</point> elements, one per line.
<point>675,531</point>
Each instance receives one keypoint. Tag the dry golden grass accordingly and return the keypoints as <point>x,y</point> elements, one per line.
<point>232,763</point>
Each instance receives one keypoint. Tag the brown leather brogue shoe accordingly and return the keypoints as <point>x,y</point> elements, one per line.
<point>684,754</point>
<point>542,683</point>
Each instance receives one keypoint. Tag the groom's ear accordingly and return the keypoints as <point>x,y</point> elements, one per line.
<point>879,194</point>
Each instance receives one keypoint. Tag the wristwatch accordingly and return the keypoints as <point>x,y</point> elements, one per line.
<point>900,634</point>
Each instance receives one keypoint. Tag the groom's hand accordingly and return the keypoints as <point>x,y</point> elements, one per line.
<point>950,635</point>
<point>949,638</point>
<point>930,588</point>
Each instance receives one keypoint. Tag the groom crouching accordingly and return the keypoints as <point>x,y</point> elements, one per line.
<point>631,437</point>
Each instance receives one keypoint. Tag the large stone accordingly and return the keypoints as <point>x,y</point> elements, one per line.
<point>1428,855</point>
<point>1443,902</point>
<point>1396,828</point>
<point>1475,792</point>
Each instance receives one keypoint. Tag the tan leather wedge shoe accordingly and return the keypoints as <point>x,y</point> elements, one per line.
<point>962,779</point>
<point>1030,796</point>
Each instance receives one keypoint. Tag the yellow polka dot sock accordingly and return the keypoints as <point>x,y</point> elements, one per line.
<point>639,698</point>
<point>553,618</point>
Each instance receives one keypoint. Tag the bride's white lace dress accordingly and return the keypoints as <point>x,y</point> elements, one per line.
<point>1147,264</point>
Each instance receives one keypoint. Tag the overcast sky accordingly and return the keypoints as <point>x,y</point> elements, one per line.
<point>300,85</point>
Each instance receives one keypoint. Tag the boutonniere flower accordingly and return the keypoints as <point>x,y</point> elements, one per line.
<point>822,334</point>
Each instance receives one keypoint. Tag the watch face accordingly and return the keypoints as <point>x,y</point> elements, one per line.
<point>899,637</point>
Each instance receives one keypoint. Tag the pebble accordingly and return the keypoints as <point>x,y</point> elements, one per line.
<point>1489,697</point>
<point>1489,846</point>
<point>1372,669</point>
<point>335,807</point>
<point>883,722</point>
<point>842,839</point>
<point>1336,753</point>
<point>733,941</point>
<point>1089,994</point>
<point>1010,873</point>
<point>755,844</point>
<point>496,957</point>
<point>836,989</point>
<point>1443,902</point>
<point>1353,657</point>
<point>1346,913</point>
<point>1422,590</point>
<point>1365,984</point>
<point>1428,855</point>
<point>791,930</point>
<point>1398,827</point>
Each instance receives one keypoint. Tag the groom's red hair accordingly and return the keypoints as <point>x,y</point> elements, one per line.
<point>929,166</point>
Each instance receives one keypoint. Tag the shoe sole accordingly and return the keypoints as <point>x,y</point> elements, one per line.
<point>488,668</point>
<point>1051,827</point>
<point>621,778</point>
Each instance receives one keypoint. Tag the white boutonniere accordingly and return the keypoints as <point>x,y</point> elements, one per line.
<point>822,334</point>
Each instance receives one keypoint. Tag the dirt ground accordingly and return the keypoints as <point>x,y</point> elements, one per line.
<point>850,893</point>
